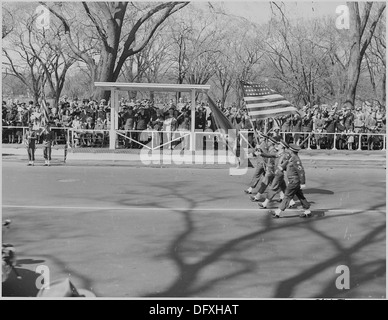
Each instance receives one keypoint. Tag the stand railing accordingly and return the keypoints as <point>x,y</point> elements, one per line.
<point>154,140</point>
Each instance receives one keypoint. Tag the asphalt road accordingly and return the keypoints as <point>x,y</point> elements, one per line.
<point>141,232</point>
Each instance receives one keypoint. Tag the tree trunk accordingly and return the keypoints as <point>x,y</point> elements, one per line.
<point>354,64</point>
<point>359,45</point>
<point>353,76</point>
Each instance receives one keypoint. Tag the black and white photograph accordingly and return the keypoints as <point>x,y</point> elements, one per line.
<point>203,150</point>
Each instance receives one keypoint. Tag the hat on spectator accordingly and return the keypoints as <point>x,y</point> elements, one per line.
<point>294,147</point>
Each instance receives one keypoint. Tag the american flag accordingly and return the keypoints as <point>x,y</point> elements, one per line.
<point>263,102</point>
<point>45,111</point>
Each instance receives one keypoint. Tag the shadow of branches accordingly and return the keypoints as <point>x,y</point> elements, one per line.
<point>186,282</point>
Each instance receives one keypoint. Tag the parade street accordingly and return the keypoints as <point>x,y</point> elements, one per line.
<point>140,232</point>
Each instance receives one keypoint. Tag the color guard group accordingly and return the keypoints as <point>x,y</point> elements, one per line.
<point>279,170</point>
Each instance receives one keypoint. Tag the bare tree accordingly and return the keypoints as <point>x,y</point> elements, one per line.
<point>52,54</point>
<point>375,58</point>
<point>7,22</point>
<point>362,28</point>
<point>21,62</point>
<point>148,65</point>
<point>116,46</point>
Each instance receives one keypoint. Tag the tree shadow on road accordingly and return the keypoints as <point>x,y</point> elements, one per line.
<point>186,283</point>
<point>343,256</point>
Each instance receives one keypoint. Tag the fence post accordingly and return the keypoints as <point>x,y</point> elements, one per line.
<point>359,142</point>
<point>309,142</point>
<point>72,138</point>
<point>384,141</point>
<point>334,142</point>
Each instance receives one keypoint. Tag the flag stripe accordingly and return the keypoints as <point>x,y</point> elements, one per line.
<point>45,110</point>
<point>263,102</point>
<point>268,106</point>
<point>272,97</point>
<point>264,112</point>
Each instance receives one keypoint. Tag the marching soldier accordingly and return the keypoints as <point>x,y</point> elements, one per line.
<point>278,184</point>
<point>296,183</point>
<point>260,167</point>
<point>269,163</point>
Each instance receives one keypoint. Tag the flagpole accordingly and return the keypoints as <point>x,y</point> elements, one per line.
<point>305,139</point>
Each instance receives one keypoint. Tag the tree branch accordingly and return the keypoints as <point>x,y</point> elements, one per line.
<point>82,55</point>
<point>169,6</point>
<point>372,29</point>
<point>100,30</point>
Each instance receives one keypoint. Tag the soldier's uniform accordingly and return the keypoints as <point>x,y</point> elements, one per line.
<point>48,138</point>
<point>278,183</point>
<point>269,163</point>
<point>260,166</point>
<point>296,177</point>
<point>30,140</point>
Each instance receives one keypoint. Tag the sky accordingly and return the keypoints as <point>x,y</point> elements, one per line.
<point>259,11</point>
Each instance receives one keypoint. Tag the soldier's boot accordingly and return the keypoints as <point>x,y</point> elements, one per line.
<point>263,205</point>
<point>248,191</point>
<point>276,213</point>
<point>256,198</point>
<point>281,195</point>
<point>292,204</point>
<point>306,214</point>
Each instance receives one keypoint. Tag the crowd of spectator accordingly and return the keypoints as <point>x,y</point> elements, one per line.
<point>90,119</point>
<point>336,127</point>
<point>134,117</point>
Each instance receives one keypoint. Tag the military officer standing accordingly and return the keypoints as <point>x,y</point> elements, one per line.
<point>48,137</point>
<point>296,183</point>
<point>30,142</point>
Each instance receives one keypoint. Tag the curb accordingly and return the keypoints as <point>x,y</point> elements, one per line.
<point>132,157</point>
